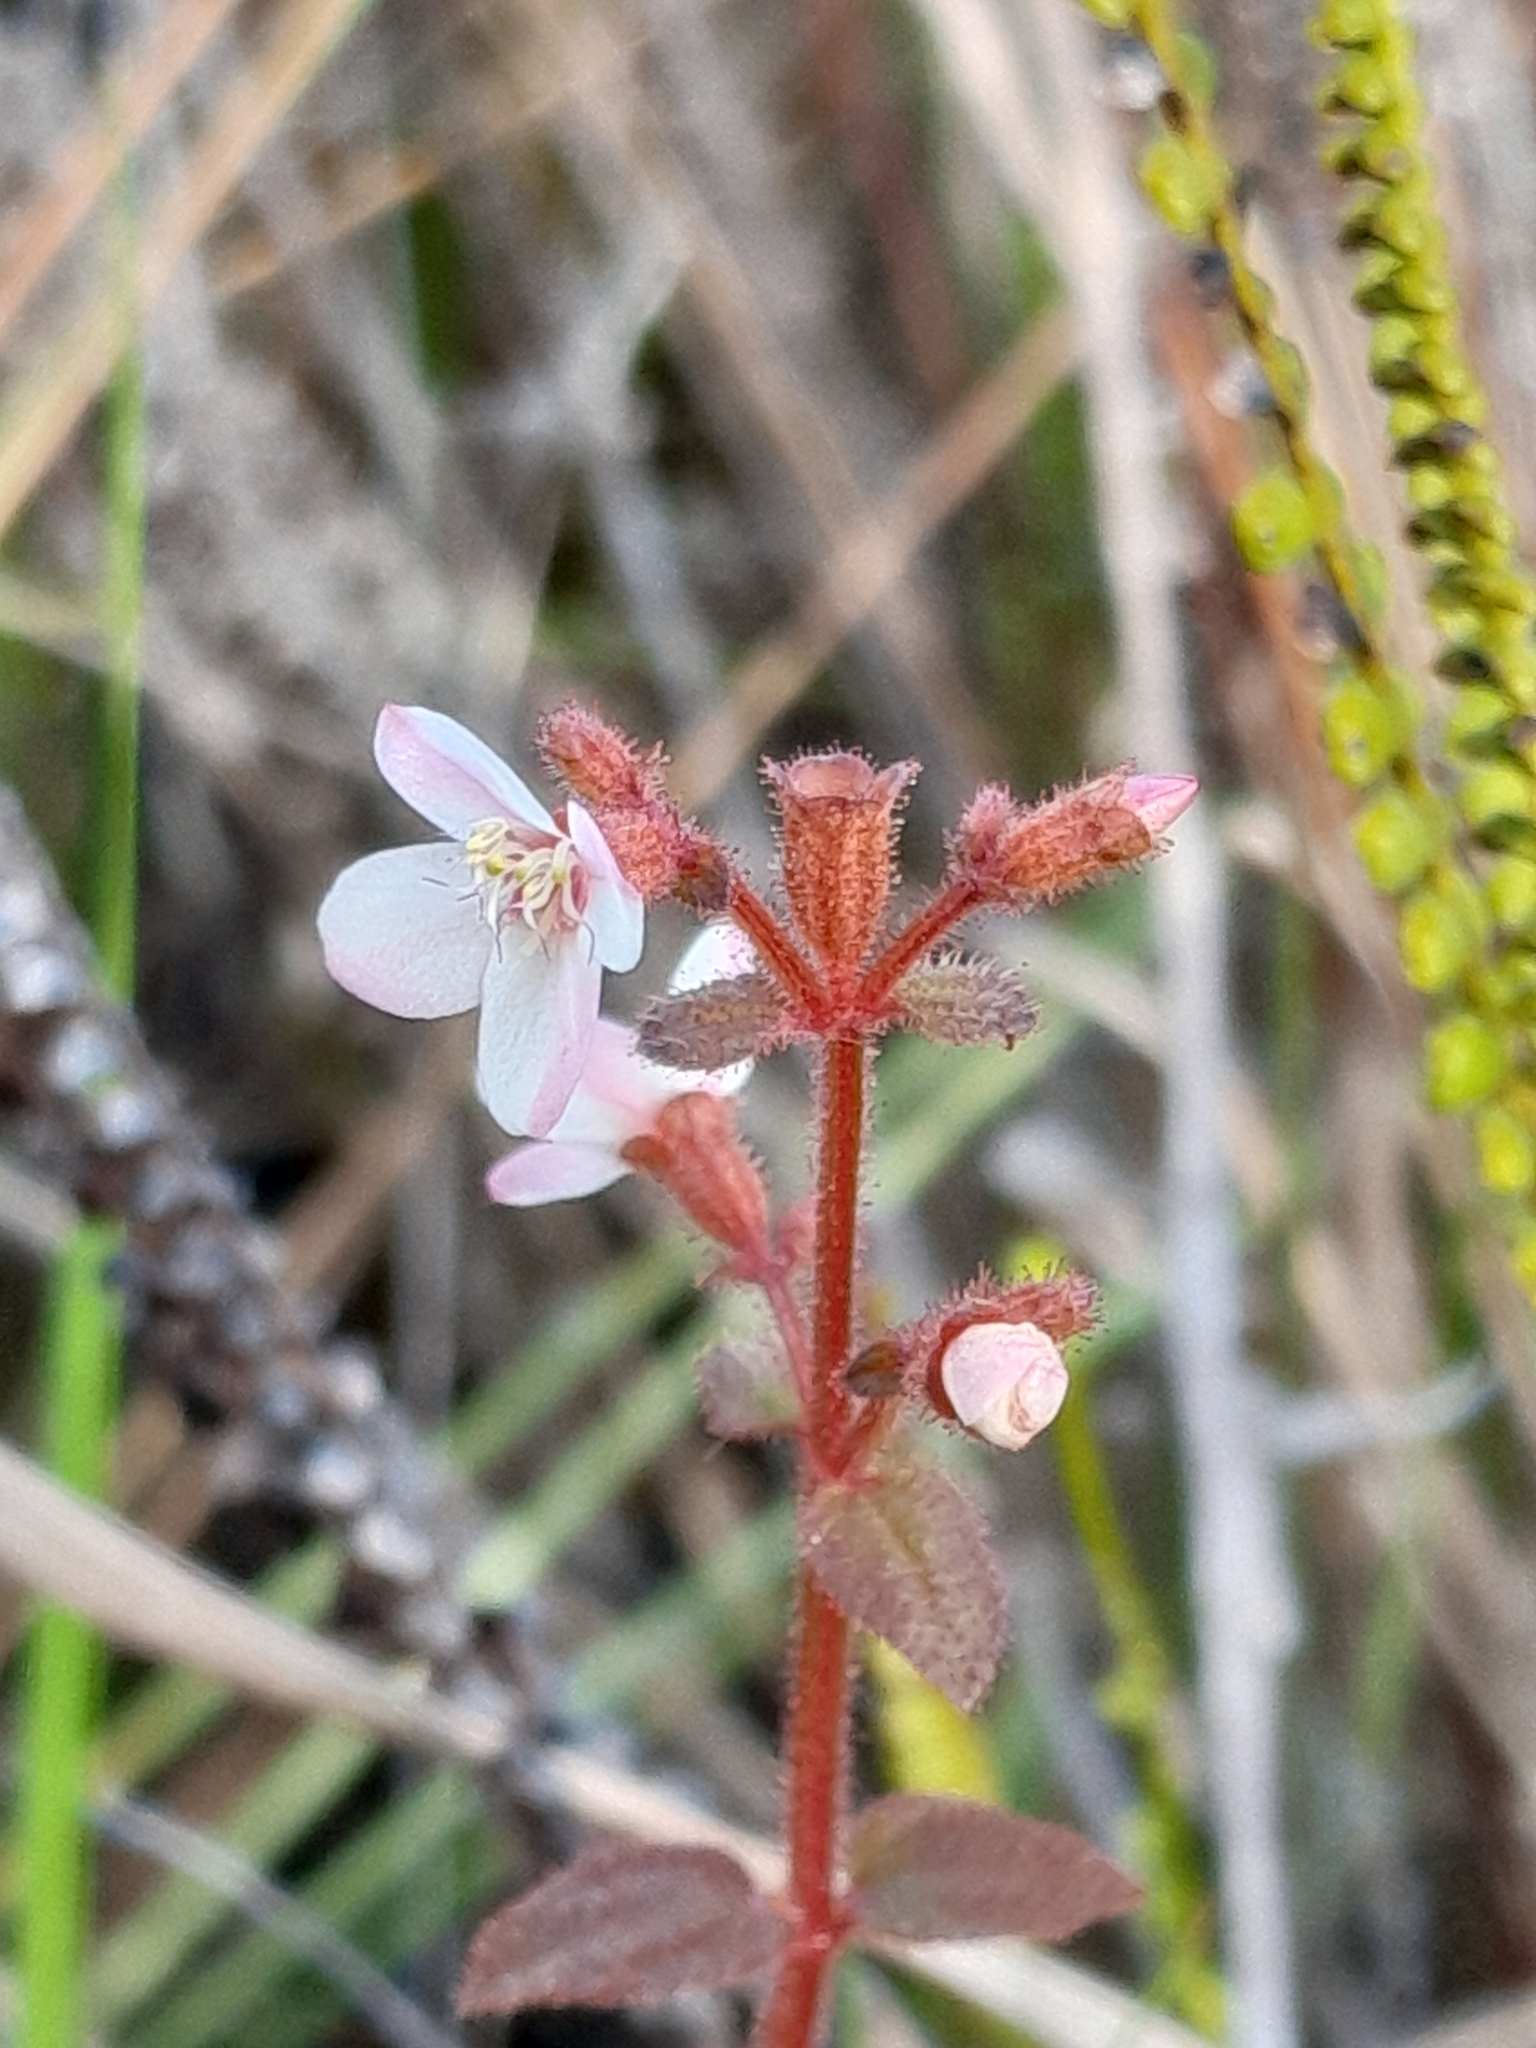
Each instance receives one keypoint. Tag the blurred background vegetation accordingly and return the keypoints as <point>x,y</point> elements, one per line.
<point>772,376</point>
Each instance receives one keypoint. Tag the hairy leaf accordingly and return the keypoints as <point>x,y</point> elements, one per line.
<point>905,1554</point>
<point>932,1869</point>
<point>626,1923</point>
<point>747,1391</point>
<point>704,1029</point>
<point>966,1002</point>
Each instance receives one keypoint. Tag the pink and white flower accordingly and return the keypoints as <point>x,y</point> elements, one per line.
<point>620,1095</point>
<point>517,911</point>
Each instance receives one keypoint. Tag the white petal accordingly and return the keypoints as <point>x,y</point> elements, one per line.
<point>403,930</point>
<point>549,1170</point>
<point>444,772</point>
<point>720,952</point>
<point>615,915</point>
<point>537,1013</point>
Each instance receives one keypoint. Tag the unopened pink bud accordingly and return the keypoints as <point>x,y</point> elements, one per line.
<point>1005,1381</point>
<point>1158,800</point>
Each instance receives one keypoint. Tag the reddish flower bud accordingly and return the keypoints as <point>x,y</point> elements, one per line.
<point>598,762</point>
<point>837,829</point>
<point>695,1150</point>
<point>1004,1382</point>
<point>1042,851</point>
<point>659,851</point>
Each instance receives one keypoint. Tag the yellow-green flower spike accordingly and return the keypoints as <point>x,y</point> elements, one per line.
<point>1468,929</point>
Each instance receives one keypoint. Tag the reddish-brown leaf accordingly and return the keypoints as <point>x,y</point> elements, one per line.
<point>747,1390</point>
<point>626,1923</point>
<point>935,1869</point>
<point>906,1555</point>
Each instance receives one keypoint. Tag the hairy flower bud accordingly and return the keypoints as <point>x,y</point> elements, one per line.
<point>596,761</point>
<point>837,826</point>
<point>658,850</point>
<point>1042,851</point>
<point>1003,1381</point>
<point>695,1150</point>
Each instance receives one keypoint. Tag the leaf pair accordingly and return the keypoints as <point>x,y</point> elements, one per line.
<point>631,1924</point>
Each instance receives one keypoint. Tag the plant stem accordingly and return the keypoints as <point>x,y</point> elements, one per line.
<point>816,1758</point>
<point>837,1222</point>
<point>817,1739</point>
<point>83,1338</point>
<point>795,975</point>
<point>954,902</point>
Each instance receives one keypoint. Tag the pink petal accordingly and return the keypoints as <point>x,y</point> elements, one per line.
<point>549,1170</point>
<point>402,929</point>
<point>1159,799</point>
<point>445,773</point>
<point>1007,1381</point>
<point>619,1093</point>
<point>615,915</point>
<point>537,1015</point>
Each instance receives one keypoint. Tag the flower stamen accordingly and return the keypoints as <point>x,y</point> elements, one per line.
<point>526,877</point>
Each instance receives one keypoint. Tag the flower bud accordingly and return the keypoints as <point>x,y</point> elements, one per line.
<point>1506,1154</point>
<point>695,1150</point>
<point>836,840</point>
<point>1004,1382</point>
<point>659,851</point>
<point>596,761</point>
<point>1043,850</point>
<point>1464,1062</point>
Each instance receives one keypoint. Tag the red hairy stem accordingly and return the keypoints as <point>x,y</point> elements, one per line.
<point>817,1738</point>
<point>914,941</point>
<point>816,1758</point>
<point>837,1224</point>
<point>782,957</point>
